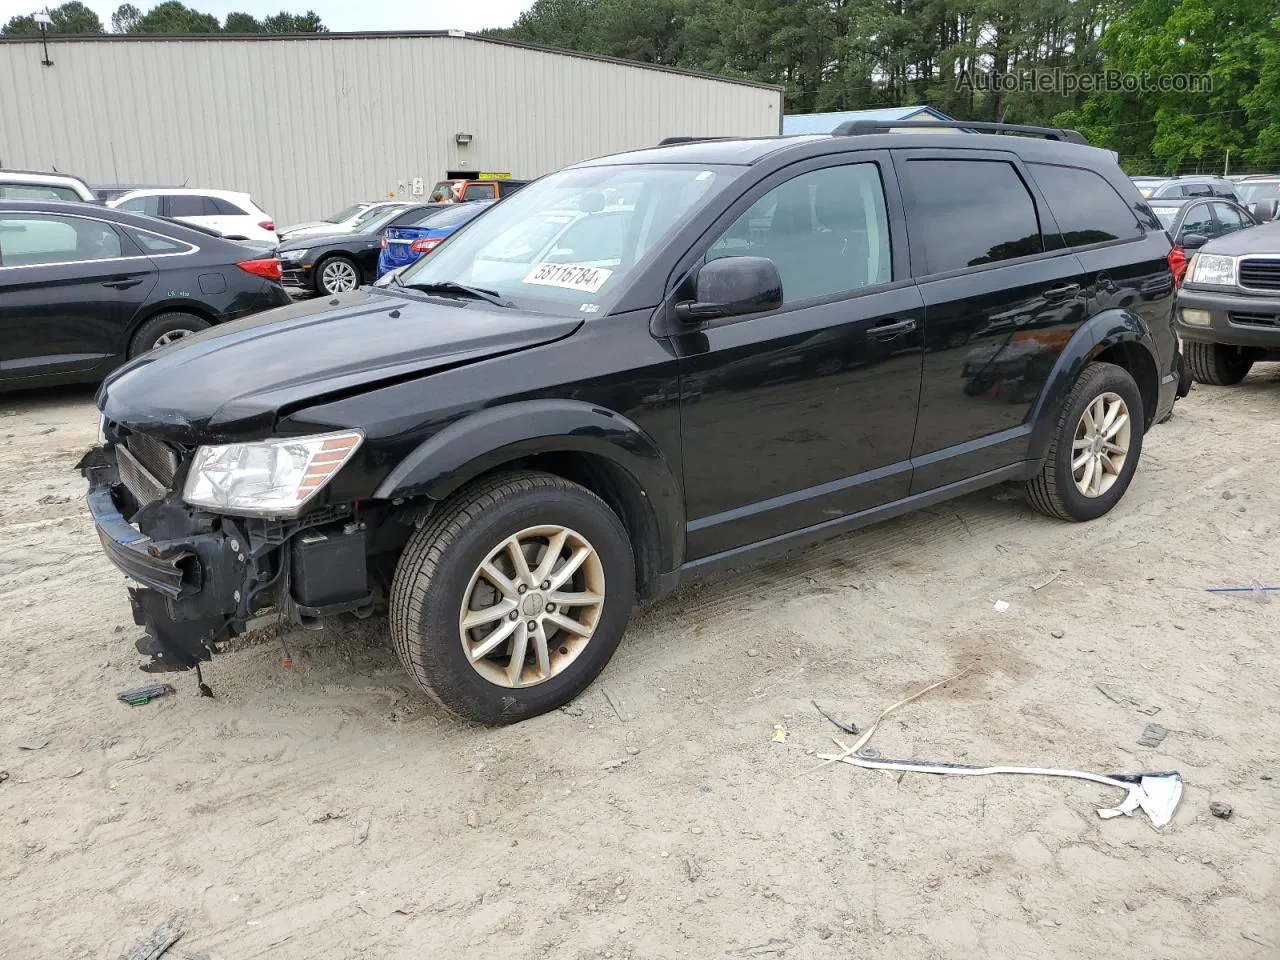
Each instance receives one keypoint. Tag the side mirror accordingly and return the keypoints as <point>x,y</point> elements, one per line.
<point>1194,241</point>
<point>733,287</point>
<point>1264,210</point>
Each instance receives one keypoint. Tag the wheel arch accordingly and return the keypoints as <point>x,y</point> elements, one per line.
<point>151,311</point>
<point>351,258</point>
<point>1113,336</point>
<point>601,450</point>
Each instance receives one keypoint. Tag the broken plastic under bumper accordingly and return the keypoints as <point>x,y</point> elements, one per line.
<point>189,591</point>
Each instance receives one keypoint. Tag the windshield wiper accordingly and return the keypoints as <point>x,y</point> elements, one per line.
<point>450,286</point>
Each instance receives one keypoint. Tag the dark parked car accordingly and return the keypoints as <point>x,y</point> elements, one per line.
<point>85,287</point>
<point>1193,222</point>
<point>1229,306</point>
<point>510,452</point>
<point>341,261</point>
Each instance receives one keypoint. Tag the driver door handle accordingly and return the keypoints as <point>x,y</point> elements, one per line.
<point>888,329</point>
<point>122,283</point>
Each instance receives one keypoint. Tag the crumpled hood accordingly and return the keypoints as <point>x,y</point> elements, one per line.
<point>230,381</point>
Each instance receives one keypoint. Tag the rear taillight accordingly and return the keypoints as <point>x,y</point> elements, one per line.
<point>1178,264</point>
<point>269,225</point>
<point>426,244</point>
<point>268,267</point>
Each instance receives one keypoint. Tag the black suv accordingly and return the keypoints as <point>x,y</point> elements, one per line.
<point>632,372</point>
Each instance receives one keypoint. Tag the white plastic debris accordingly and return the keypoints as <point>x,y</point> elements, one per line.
<point>1001,606</point>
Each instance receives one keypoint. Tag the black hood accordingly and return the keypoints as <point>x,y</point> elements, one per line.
<point>230,381</point>
<point>1262,239</point>
<point>321,239</point>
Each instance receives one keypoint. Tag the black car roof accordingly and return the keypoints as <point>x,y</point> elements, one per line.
<point>747,151</point>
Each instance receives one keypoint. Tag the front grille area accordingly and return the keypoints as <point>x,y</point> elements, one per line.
<point>1254,319</point>
<point>137,479</point>
<point>1259,274</point>
<point>159,459</point>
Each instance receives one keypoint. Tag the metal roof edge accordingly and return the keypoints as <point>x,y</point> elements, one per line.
<point>384,35</point>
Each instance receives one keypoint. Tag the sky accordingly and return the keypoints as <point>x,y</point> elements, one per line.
<point>338,15</point>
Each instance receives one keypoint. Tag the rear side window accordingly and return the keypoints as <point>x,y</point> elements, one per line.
<point>148,205</point>
<point>967,213</point>
<point>1087,208</point>
<point>36,191</point>
<point>186,205</point>
<point>482,191</point>
<point>223,208</point>
<point>1198,220</point>
<point>154,243</point>
<point>1231,218</point>
<point>1197,190</point>
<point>30,239</point>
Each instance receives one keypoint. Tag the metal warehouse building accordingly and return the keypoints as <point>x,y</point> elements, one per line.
<point>310,123</point>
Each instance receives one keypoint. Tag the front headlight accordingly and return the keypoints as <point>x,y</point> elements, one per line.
<point>1212,268</point>
<point>292,255</point>
<point>271,478</point>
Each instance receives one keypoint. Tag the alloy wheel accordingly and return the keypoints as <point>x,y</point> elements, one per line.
<point>1101,444</point>
<point>532,606</point>
<point>171,336</point>
<point>339,276</point>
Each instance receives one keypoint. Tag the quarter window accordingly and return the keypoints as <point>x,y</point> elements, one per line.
<point>969,213</point>
<point>218,207</point>
<point>148,205</point>
<point>827,231</point>
<point>1087,208</point>
<point>187,205</point>
<point>31,239</point>
<point>154,243</point>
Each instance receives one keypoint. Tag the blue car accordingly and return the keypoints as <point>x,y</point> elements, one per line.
<point>406,243</point>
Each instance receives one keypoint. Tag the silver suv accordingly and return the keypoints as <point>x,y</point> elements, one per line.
<point>31,185</point>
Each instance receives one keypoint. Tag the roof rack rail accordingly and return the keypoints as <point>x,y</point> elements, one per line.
<point>852,128</point>
<point>668,141</point>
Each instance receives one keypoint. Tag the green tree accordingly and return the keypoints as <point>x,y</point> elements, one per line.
<point>72,17</point>
<point>241,23</point>
<point>283,22</point>
<point>173,17</point>
<point>125,19</point>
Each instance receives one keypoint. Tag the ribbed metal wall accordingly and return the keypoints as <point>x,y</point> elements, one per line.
<point>309,125</point>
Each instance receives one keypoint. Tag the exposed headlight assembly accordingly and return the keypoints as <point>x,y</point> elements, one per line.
<point>1213,269</point>
<point>270,478</point>
<point>292,255</point>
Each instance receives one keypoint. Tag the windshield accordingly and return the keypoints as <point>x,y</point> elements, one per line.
<point>568,243</point>
<point>442,192</point>
<point>1166,215</point>
<point>374,213</point>
<point>1253,192</point>
<point>346,213</point>
<point>384,215</point>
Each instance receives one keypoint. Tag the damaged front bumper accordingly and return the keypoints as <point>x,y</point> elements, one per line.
<point>192,572</point>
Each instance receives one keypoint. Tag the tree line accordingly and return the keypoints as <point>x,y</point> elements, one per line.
<point>170,17</point>
<point>965,58</point>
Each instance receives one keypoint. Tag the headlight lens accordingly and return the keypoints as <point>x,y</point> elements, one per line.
<point>273,478</point>
<point>292,255</point>
<point>1212,268</point>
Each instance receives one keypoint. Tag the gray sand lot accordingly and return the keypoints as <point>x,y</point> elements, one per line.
<point>329,811</point>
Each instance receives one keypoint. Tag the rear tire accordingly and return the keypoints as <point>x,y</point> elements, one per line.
<point>1217,364</point>
<point>440,579</point>
<point>1056,491</point>
<point>163,329</point>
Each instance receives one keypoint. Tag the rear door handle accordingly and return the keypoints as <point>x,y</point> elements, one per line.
<point>122,283</point>
<point>888,329</point>
<point>1062,291</point>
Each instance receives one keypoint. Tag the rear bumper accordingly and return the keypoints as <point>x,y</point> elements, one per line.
<point>1235,319</point>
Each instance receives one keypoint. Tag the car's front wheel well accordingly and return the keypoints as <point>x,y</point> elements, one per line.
<point>619,490</point>
<point>1137,361</point>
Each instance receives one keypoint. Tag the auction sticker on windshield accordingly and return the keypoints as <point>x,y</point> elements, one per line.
<point>569,275</point>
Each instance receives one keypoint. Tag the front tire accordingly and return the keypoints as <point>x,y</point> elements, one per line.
<point>164,329</point>
<point>513,597</point>
<point>1095,449</point>
<point>1217,364</point>
<point>336,274</point>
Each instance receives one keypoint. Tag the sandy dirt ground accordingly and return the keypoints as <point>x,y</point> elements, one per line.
<point>330,811</point>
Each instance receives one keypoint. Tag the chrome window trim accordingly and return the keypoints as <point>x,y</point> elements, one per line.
<point>191,248</point>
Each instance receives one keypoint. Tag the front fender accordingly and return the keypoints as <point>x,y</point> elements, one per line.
<point>1102,331</point>
<point>508,433</point>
